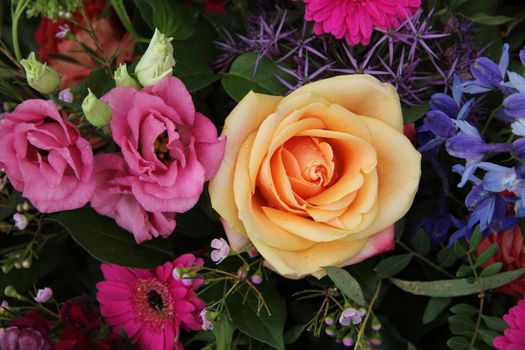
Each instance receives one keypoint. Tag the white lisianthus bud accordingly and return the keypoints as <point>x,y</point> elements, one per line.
<point>122,77</point>
<point>39,76</point>
<point>97,112</point>
<point>157,62</point>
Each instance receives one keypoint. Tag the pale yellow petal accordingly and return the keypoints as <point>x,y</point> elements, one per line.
<point>299,264</point>
<point>242,121</point>
<point>398,171</point>
<point>359,93</point>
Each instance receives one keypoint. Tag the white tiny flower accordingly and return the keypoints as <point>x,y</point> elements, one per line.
<point>66,95</point>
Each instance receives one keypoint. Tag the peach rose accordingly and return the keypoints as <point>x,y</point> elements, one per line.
<point>316,178</point>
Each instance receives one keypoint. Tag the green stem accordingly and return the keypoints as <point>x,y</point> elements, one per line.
<point>15,16</point>
<point>489,120</point>
<point>481,302</point>
<point>369,311</point>
<point>120,9</point>
<point>422,258</point>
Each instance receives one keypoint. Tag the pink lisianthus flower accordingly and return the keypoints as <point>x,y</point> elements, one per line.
<point>355,20</point>
<point>114,198</point>
<point>45,157</point>
<point>169,149</point>
<point>514,336</point>
<point>150,305</point>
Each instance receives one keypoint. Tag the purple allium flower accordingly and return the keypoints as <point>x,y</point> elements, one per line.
<point>66,95</point>
<point>220,251</point>
<point>44,295</point>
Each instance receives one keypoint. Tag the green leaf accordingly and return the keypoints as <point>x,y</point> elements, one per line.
<point>446,257</point>
<point>463,271</point>
<point>347,284</point>
<point>475,240</point>
<point>492,269</point>
<point>293,334</point>
<point>486,255</point>
<point>399,228</point>
<point>412,114</point>
<point>240,79</point>
<point>223,330</point>
<point>392,265</point>
<point>495,323</point>
<point>421,242</point>
<point>458,343</point>
<point>261,326</point>
<point>487,336</point>
<point>483,18</point>
<point>434,307</point>
<point>459,249</point>
<point>173,18</point>
<point>456,287</point>
<point>464,309</point>
<point>105,241</point>
<point>461,325</point>
<point>100,82</point>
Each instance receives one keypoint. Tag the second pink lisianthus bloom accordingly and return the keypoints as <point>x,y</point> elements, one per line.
<point>168,151</point>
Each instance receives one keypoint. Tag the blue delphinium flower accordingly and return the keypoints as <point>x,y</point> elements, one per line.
<point>488,75</point>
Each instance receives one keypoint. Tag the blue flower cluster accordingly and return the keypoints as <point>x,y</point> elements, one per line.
<point>458,124</point>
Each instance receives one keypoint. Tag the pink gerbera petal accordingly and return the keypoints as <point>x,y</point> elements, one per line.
<point>355,20</point>
<point>151,305</point>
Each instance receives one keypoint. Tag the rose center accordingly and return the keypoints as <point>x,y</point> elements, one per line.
<point>317,172</point>
<point>161,148</point>
<point>152,302</point>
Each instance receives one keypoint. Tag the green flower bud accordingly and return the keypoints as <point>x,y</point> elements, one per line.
<point>39,76</point>
<point>96,111</point>
<point>11,292</point>
<point>157,62</point>
<point>122,77</point>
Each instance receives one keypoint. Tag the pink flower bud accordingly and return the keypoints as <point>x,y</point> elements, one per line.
<point>44,295</point>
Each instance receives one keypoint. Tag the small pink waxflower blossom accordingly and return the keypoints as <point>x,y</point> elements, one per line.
<point>207,325</point>
<point>21,221</point>
<point>63,32</point>
<point>221,250</point>
<point>66,95</point>
<point>351,316</point>
<point>44,295</point>
<point>355,20</point>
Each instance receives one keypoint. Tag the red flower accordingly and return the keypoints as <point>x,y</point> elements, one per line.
<point>82,314</point>
<point>216,6</point>
<point>82,321</point>
<point>511,252</point>
<point>113,41</point>
<point>30,332</point>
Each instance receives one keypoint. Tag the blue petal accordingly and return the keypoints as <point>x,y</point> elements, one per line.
<point>504,60</point>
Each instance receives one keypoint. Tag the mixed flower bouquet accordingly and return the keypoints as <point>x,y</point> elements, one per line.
<point>264,174</point>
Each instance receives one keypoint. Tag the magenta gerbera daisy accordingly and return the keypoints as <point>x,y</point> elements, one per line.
<point>355,20</point>
<point>513,337</point>
<point>151,305</point>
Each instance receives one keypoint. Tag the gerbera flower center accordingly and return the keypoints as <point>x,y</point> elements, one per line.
<point>152,302</point>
